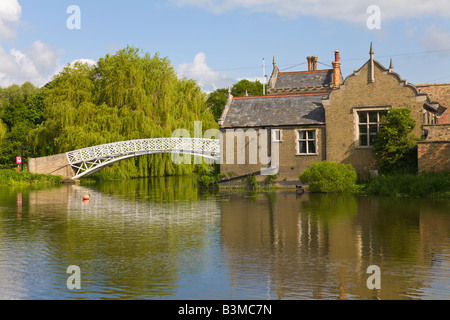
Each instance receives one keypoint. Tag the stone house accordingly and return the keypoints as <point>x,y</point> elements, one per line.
<point>315,115</point>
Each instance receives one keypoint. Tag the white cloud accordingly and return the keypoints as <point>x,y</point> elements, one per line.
<point>208,79</point>
<point>435,39</point>
<point>10,13</point>
<point>350,10</point>
<point>90,62</point>
<point>36,64</point>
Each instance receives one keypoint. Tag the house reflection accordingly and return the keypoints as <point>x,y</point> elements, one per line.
<point>320,246</point>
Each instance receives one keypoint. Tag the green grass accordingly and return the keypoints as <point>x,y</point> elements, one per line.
<point>423,185</point>
<point>10,177</point>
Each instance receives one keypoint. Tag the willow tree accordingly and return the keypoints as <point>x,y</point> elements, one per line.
<point>125,96</point>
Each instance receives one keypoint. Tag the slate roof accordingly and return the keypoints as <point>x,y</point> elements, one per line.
<point>274,110</point>
<point>304,79</point>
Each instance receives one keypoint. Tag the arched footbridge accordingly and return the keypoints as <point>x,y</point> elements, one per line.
<point>87,161</point>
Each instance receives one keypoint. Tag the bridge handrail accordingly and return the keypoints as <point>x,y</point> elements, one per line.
<point>196,145</point>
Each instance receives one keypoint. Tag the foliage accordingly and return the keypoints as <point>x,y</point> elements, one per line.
<point>252,182</point>
<point>13,178</point>
<point>21,111</point>
<point>427,184</point>
<point>125,96</point>
<point>394,147</point>
<point>217,101</point>
<point>270,181</point>
<point>330,177</point>
<point>218,98</point>
<point>209,177</point>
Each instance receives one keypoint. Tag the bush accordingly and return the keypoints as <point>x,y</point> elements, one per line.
<point>270,181</point>
<point>330,177</point>
<point>394,147</point>
<point>209,177</point>
<point>252,182</point>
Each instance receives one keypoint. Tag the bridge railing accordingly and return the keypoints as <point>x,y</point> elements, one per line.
<point>194,145</point>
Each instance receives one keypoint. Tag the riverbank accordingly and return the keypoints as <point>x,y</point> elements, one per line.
<point>423,185</point>
<point>10,177</point>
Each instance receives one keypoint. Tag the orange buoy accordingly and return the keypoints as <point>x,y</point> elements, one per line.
<point>86,197</point>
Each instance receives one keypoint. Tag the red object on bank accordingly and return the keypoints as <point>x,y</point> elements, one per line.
<point>18,161</point>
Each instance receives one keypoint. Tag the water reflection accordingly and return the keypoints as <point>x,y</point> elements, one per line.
<point>321,245</point>
<point>166,239</point>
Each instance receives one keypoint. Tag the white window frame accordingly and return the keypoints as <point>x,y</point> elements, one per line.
<point>297,142</point>
<point>356,112</point>
<point>274,135</point>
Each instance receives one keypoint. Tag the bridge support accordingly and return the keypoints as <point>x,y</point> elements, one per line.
<point>57,165</point>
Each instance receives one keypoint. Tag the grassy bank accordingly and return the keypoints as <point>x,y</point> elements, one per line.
<point>10,177</point>
<point>423,185</point>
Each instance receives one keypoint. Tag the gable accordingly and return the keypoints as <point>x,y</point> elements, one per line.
<point>386,88</point>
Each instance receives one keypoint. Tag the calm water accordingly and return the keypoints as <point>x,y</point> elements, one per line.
<point>166,239</point>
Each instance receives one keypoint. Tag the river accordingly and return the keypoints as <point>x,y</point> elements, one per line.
<point>164,238</point>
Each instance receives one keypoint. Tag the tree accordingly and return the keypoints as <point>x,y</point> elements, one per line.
<point>217,101</point>
<point>253,88</point>
<point>394,147</point>
<point>21,110</point>
<point>218,98</point>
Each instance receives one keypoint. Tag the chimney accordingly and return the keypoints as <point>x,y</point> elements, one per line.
<point>309,63</point>
<point>314,62</point>
<point>336,70</point>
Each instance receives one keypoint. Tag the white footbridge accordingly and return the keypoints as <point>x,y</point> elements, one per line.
<point>89,160</point>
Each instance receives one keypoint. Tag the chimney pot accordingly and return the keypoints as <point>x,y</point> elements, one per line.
<point>336,56</point>
<point>309,63</point>
<point>336,70</point>
<point>314,62</point>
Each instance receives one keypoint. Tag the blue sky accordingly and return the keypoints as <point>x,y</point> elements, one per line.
<point>218,42</point>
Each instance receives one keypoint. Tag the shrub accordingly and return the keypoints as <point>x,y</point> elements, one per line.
<point>210,176</point>
<point>252,182</point>
<point>330,177</point>
<point>394,147</point>
<point>270,181</point>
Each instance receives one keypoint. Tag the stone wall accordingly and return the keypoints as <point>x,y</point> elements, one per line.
<point>56,165</point>
<point>433,154</point>
<point>437,132</point>
<point>445,118</point>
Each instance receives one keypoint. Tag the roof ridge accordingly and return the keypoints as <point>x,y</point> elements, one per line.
<point>305,72</point>
<point>433,84</point>
<point>284,95</point>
